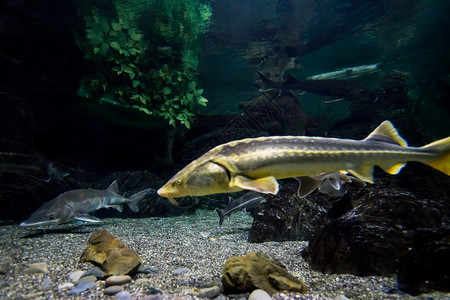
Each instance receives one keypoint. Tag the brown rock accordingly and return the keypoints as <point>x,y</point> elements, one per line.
<point>110,254</point>
<point>257,270</point>
<point>117,280</point>
<point>37,268</point>
<point>112,290</point>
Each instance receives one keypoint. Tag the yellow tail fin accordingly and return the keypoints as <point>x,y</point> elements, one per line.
<point>442,148</point>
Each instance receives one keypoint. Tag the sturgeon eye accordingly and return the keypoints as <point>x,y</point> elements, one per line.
<point>179,181</point>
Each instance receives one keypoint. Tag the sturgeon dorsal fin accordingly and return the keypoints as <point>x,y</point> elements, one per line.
<point>265,185</point>
<point>113,187</point>
<point>265,79</point>
<point>387,133</point>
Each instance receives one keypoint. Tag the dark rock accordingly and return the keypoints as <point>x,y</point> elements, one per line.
<point>424,266</point>
<point>367,240</point>
<point>110,254</point>
<point>286,217</point>
<point>256,270</point>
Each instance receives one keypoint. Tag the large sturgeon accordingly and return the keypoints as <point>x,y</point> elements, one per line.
<point>256,163</point>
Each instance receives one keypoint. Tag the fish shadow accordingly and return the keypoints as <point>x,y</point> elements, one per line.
<point>77,229</point>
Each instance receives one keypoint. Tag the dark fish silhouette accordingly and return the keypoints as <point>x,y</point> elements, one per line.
<point>248,201</point>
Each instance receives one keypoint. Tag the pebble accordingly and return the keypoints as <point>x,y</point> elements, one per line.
<point>89,278</point>
<point>81,287</point>
<point>94,272</point>
<point>180,271</point>
<point>117,280</point>
<point>37,268</point>
<point>123,295</point>
<point>210,292</point>
<point>112,290</point>
<point>46,284</point>
<point>75,276</point>
<point>65,285</point>
<point>149,270</point>
<point>259,295</point>
<point>4,283</point>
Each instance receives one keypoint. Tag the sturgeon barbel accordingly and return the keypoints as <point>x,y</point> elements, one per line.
<point>256,163</point>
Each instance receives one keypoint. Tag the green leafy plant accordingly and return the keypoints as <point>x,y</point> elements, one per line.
<point>148,61</point>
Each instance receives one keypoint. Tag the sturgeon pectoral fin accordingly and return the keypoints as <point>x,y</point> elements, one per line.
<point>364,173</point>
<point>87,218</point>
<point>266,185</point>
<point>307,185</point>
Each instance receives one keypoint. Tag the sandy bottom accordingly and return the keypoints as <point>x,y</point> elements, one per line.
<point>195,242</point>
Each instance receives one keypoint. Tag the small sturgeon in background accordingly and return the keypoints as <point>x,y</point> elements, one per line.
<point>248,201</point>
<point>77,204</point>
<point>334,184</point>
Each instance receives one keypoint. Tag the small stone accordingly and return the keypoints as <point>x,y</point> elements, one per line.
<point>4,283</point>
<point>81,287</point>
<point>259,295</point>
<point>210,292</point>
<point>37,268</point>
<point>65,285</point>
<point>112,290</point>
<point>117,280</point>
<point>180,271</point>
<point>153,291</point>
<point>123,295</point>
<point>75,276</point>
<point>90,278</point>
<point>191,291</point>
<point>94,272</point>
<point>46,284</point>
<point>148,270</point>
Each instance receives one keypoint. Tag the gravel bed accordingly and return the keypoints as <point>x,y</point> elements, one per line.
<point>195,242</point>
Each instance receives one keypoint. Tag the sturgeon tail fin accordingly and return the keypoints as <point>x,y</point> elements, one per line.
<point>135,198</point>
<point>221,216</point>
<point>442,149</point>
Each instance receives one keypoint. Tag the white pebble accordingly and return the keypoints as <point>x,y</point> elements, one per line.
<point>259,295</point>
<point>75,276</point>
<point>65,285</point>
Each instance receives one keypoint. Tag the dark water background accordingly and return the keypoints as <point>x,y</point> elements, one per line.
<point>42,65</point>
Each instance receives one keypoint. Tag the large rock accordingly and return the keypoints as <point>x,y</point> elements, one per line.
<point>368,240</point>
<point>286,217</point>
<point>110,254</point>
<point>258,271</point>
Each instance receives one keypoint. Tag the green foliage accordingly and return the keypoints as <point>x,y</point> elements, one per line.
<point>148,61</point>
